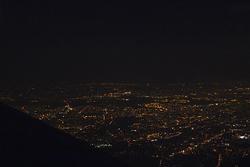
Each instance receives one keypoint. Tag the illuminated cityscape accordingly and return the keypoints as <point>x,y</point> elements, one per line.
<point>153,125</point>
<point>147,83</point>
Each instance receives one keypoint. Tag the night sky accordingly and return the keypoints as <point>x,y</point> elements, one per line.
<point>124,41</point>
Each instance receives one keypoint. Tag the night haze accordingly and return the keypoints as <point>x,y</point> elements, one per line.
<point>136,83</point>
<point>127,41</point>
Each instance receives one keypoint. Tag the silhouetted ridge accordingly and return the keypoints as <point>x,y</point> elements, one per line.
<point>25,141</point>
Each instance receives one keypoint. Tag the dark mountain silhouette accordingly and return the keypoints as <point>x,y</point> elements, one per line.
<point>25,141</point>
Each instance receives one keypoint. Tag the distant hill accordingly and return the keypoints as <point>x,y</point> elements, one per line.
<point>25,141</point>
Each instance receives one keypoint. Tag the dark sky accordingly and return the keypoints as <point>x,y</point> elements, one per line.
<point>124,41</point>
